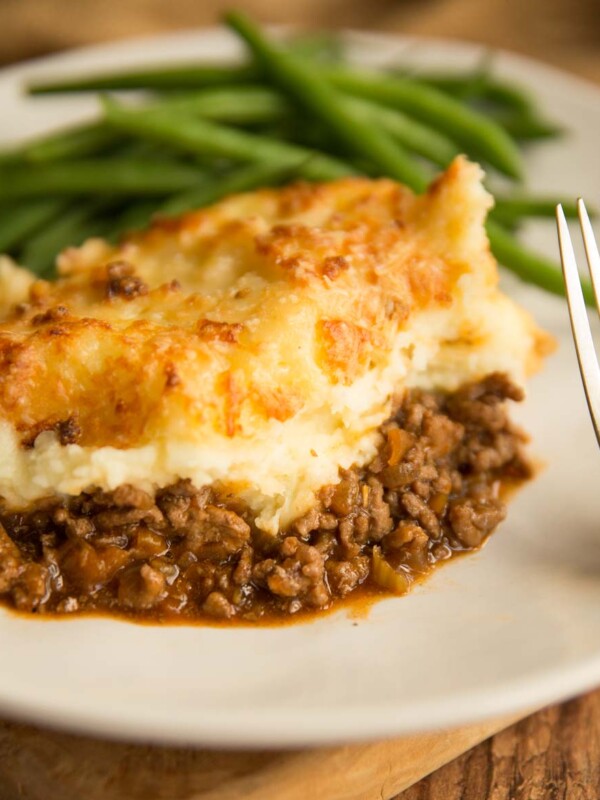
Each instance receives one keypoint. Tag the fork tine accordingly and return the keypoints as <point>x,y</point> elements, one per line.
<point>591,249</point>
<point>582,335</point>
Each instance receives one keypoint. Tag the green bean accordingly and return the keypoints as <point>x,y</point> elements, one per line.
<point>77,142</point>
<point>202,76</point>
<point>511,106</point>
<point>20,221</point>
<point>9,156</point>
<point>415,136</point>
<point>529,206</point>
<point>527,127</point>
<point>470,129</point>
<point>251,104</point>
<point>507,94</point>
<point>109,176</point>
<point>530,267</point>
<point>509,222</point>
<point>307,86</point>
<point>462,87</point>
<point>317,47</point>
<point>241,180</point>
<point>480,84</point>
<point>87,139</point>
<point>190,76</point>
<point>72,228</point>
<point>239,104</point>
<point>134,217</point>
<point>322,46</point>
<point>260,104</point>
<point>202,137</point>
<point>214,188</point>
<point>379,119</point>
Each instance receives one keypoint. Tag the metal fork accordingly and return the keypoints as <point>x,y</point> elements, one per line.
<point>580,324</point>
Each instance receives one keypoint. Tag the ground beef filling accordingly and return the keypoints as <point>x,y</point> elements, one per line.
<point>432,491</point>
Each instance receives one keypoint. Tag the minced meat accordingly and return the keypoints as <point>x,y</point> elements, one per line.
<point>432,491</point>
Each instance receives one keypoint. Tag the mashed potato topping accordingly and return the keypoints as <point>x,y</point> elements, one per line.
<point>257,345</point>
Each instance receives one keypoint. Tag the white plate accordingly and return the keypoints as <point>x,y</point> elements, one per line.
<point>513,627</point>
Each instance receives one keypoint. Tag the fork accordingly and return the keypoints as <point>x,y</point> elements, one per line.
<point>580,324</point>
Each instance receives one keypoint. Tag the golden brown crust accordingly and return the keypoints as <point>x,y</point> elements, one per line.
<point>230,317</point>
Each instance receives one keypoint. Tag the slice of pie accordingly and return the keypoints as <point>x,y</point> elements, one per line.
<point>258,407</point>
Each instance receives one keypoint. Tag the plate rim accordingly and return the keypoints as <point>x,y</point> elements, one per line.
<point>464,45</point>
<point>516,695</point>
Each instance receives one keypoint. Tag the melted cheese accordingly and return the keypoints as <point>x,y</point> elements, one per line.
<point>256,345</point>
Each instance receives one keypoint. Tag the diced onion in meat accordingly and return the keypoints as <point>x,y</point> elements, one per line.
<point>386,576</point>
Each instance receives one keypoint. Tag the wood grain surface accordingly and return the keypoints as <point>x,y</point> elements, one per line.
<point>552,755</point>
<point>561,32</point>
<point>40,765</point>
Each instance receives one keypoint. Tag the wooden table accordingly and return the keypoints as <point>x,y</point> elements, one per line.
<point>552,754</point>
<point>561,32</point>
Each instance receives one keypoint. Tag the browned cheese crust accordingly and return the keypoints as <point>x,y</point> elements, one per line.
<point>194,323</point>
